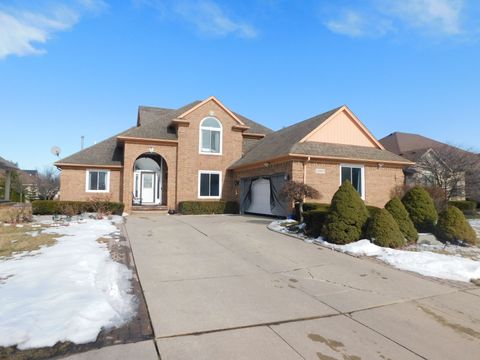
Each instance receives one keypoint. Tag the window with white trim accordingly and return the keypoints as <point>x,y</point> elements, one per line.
<point>209,184</point>
<point>210,136</point>
<point>354,174</point>
<point>98,180</point>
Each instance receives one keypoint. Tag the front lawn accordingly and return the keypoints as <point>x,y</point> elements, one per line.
<point>60,285</point>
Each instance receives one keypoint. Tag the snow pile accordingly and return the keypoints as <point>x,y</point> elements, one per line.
<point>66,292</point>
<point>281,225</point>
<point>427,263</point>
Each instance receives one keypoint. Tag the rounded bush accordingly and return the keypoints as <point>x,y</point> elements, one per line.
<point>347,217</point>
<point>396,208</point>
<point>452,226</point>
<point>421,209</point>
<point>384,231</point>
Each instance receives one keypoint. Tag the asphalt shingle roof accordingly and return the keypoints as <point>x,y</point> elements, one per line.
<point>287,141</point>
<point>153,123</point>
<point>6,165</point>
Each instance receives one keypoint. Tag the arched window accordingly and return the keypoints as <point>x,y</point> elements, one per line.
<point>210,136</point>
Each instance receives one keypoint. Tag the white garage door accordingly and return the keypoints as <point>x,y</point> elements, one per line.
<point>260,197</point>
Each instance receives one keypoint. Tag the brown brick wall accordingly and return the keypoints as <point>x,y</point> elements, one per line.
<point>72,185</point>
<point>191,161</point>
<point>132,151</point>
<point>379,181</point>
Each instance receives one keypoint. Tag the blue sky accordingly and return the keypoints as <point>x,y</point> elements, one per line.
<point>82,67</point>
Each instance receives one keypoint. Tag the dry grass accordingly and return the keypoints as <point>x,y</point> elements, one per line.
<point>15,212</point>
<point>14,239</point>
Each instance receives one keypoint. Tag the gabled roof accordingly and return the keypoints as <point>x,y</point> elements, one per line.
<point>7,165</point>
<point>152,123</point>
<point>290,140</point>
<point>404,143</point>
<point>107,152</point>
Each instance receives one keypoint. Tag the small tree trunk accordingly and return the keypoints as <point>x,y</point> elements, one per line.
<point>300,211</point>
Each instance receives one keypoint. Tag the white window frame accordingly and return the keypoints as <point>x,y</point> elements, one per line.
<point>87,181</point>
<point>220,185</point>
<point>362,167</point>
<point>200,151</point>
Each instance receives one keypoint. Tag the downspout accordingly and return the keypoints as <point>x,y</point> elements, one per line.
<point>305,170</point>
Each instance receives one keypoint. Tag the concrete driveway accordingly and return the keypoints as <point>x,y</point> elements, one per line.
<point>225,287</point>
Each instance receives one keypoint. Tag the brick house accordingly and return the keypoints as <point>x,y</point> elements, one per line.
<point>204,151</point>
<point>431,160</point>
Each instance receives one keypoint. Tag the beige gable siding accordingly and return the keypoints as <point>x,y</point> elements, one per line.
<point>342,129</point>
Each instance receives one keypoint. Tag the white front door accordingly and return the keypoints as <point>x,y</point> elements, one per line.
<point>148,187</point>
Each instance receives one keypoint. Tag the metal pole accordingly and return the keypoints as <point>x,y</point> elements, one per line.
<point>82,140</point>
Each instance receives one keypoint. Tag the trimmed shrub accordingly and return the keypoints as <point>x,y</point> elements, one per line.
<point>396,208</point>
<point>53,207</point>
<point>468,207</point>
<point>309,206</point>
<point>208,207</point>
<point>372,210</point>
<point>315,221</point>
<point>421,209</point>
<point>453,226</point>
<point>347,217</point>
<point>384,231</point>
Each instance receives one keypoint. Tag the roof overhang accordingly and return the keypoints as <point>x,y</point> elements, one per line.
<point>139,140</point>
<point>303,157</point>
<point>214,99</point>
<point>87,166</point>
<point>253,136</point>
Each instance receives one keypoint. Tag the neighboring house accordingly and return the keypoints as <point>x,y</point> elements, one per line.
<point>6,168</point>
<point>29,180</point>
<point>204,151</point>
<point>435,163</point>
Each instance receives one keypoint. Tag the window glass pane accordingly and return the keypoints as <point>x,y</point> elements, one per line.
<point>93,185</point>
<point>214,184</point>
<point>357,179</point>
<point>102,180</point>
<point>346,174</point>
<point>215,141</point>
<point>136,185</point>
<point>211,122</point>
<point>204,184</point>
<point>205,140</point>
<point>147,181</point>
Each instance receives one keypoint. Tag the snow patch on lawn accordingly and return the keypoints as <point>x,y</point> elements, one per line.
<point>65,292</point>
<point>427,263</point>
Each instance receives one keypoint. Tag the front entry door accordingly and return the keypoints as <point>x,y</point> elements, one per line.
<point>148,187</point>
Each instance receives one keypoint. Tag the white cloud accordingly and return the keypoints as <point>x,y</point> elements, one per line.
<point>440,18</point>
<point>23,30</point>
<point>209,18</point>
<point>349,23</point>
<point>205,15</point>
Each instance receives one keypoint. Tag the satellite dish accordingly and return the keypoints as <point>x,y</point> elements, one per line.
<point>55,151</point>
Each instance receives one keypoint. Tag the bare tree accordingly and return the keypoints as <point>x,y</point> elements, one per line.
<point>48,183</point>
<point>454,170</point>
<point>297,192</point>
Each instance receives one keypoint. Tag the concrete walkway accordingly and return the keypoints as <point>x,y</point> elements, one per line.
<point>225,287</point>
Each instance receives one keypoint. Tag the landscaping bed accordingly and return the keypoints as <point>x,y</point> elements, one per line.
<point>409,233</point>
